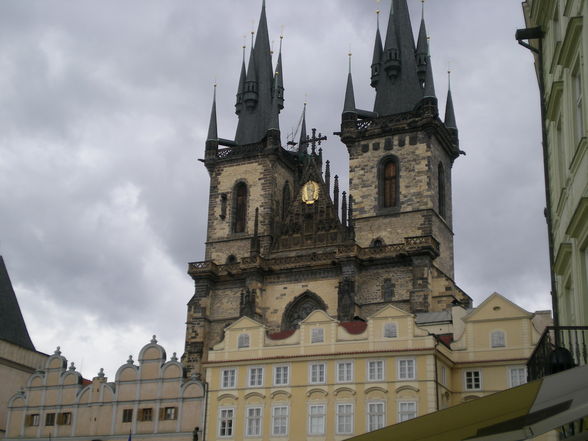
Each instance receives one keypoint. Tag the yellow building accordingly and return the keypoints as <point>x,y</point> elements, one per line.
<point>330,380</point>
<point>555,31</point>
<point>151,400</point>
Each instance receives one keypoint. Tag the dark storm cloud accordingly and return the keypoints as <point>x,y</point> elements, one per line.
<point>105,108</point>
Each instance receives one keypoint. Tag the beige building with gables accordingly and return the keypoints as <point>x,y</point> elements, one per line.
<point>151,400</point>
<point>330,380</point>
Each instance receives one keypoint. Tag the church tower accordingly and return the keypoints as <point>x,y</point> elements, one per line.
<point>282,241</point>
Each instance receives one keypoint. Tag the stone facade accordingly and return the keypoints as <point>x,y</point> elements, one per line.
<point>295,243</point>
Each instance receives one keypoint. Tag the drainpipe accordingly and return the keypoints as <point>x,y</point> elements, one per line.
<point>536,33</point>
<point>436,374</point>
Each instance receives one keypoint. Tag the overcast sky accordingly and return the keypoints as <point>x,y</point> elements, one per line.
<point>104,108</point>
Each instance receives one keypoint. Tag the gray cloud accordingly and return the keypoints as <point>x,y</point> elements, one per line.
<point>105,109</point>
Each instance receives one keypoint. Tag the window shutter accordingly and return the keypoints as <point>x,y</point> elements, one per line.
<point>162,413</point>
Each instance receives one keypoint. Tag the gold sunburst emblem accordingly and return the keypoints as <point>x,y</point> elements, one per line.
<point>310,192</point>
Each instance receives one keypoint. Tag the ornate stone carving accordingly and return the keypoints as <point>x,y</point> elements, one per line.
<point>299,308</point>
<point>346,300</point>
<point>247,305</point>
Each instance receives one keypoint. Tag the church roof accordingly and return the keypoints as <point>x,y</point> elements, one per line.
<point>12,325</point>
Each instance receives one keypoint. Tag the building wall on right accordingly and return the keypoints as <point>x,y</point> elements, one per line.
<point>561,66</point>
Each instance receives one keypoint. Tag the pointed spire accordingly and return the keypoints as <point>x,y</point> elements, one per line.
<point>254,124</point>
<point>349,105</point>
<point>344,209</point>
<point>274,123</point>
<point>303,144</point>
<point>12,325</point>
<point>399,90</point>
<point>336,194</point>
<point>328,177</point>
<point>212,127</point>
<point>377,57</point>
<point>280,77</point>
<point>429,81</point>
<point>422,50</point>
<point>450,122</point>
<point>241,87</point>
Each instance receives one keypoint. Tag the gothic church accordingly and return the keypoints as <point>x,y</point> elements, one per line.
<point>283,241</point>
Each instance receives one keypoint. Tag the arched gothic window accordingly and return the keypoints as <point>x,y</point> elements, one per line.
<point>243,341</point>
<point>240,208</point>
<point>441,188</point>
<point>388,174</point>
<point>299,308</point>
<point>285,200</point>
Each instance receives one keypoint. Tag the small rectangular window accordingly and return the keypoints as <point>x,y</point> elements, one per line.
<point>498,340</point>
<point>255,377</point>
<point>280,421</point>
<point>253,424</point>
<point>317,373</point>
<point>443,379</point>
<point>406,369</point>
<point>517,376</point>
<point>376,370</point>
<point>344,419</point>
<point>375,415</point>
<point>64,419</point>
<point>281,375</point>
<point>316,419</point>
<point>344,372</point>
<point>168,413</point>
<point>317,335</point>
<point>473,380</point>
<point>225,422</point>
<point>32,420</point>
<point>127,416</point>
<point>406,410</point>
<point>146,414</point>
<point>228,378</point>
<point>50,419</point>
<point>390,330</point>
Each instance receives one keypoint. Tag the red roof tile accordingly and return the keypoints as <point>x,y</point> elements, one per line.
<point>355,327</point>
<point>281,335</point>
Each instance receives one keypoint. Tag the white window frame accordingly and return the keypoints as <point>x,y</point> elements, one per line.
<point>322,415</point>
<point>410,369</point>
<point>368,370</point>
<point>349,372</point>
<point>498,339</point>
<point>317,335</point>
<point>259,377</point>
<point>391,326</point>
<point>465,379</point>
<point>349,415</point>
<point>443,379</point>
<point>369,414</point>
<point>403,413</point>
<point>287,417</point>
<point>249,419</point>
<point>282,382</point>
<point>243,341</point>
<point>511,369</point>
<point>315,368</point>
<point>222,378</point>
<point>221,419</point>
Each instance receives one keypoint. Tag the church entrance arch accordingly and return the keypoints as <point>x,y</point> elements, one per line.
<point>299,308</point>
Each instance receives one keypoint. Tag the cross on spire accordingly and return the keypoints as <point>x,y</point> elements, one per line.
<point>314,140</point>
